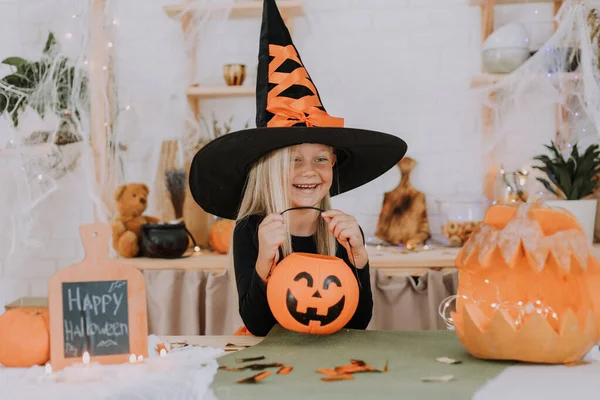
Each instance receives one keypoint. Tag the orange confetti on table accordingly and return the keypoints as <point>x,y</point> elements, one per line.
<point>285,370</point>
<point>255,378</point>
<point>343,377</point>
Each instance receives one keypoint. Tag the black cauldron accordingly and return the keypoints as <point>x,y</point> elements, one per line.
<point>164,240</point>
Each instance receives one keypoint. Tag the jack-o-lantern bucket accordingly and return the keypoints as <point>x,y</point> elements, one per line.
<point>523,291</point>
<point>312,293</point>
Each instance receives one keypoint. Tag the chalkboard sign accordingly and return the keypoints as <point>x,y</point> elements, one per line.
<point>97,306</point>
<point>95,318</point>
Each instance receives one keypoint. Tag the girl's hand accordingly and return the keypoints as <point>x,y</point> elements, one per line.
<point>345,228</point>
<point>271,235</point>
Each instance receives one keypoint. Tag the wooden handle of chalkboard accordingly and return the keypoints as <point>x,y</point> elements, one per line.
<point>95,239</point>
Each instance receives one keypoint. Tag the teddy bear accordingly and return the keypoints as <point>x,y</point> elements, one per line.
<point>131,200</point>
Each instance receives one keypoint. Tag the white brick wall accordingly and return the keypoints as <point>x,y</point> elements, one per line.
<point>399,66</point>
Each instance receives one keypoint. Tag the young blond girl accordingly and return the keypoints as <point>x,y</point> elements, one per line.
<point>298,176</point>
<point>276,180</point>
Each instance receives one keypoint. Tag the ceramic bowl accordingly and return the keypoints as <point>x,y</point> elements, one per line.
<point>504,61</point>
<point>234,74</point>
<point>513,35</point>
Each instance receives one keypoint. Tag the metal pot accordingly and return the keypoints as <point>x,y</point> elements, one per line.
<point>164,240</point>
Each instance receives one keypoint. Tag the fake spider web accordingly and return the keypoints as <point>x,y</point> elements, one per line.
<point>553,96</point>
<point>44,105</point>
<point>46,94</point>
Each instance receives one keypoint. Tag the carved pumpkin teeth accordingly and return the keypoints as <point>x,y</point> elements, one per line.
<point>528,230</point>
<point>322,310</point>
<point>533,341</point>
<point>302,308</point>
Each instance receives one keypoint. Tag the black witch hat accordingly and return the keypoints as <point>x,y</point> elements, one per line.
<point>289,111</point>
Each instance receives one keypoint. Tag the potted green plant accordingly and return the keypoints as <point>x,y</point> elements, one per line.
<point>49,85</point>
<point>573,182</point>
<point>53,75</point>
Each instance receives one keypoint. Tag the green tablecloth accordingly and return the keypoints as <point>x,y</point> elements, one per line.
<point>410,354</point>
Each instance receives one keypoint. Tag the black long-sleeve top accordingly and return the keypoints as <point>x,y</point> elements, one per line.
<point>252,291</point>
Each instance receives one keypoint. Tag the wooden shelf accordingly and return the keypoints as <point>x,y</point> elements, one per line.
<point>491,79</point>
<point>247,9</point>
<point>220,91</point>
<point>487,8</point>
<point>487,79</point>
<point>390,259</point>
<point>500,2</point>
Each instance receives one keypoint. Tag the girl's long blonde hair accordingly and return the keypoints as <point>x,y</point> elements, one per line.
<point>267,192</point>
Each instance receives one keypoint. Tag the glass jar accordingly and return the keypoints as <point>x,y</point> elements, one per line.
<point>459,218</point>
<point>512,186</point>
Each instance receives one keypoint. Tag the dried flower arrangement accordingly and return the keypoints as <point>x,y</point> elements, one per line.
<point>212,130</point>
<point>176,183</point>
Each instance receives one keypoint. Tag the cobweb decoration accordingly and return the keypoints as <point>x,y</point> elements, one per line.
<point>46,149</point>
<point>46,114</point>
<point>554,95</point>
<point>51,86</point>
<point>44,107</point>
<point>184,373</point>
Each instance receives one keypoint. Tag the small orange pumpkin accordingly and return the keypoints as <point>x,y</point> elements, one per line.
<point>220,235</point>
<point>312,293</point>
<point>523,291</point>
<point>24,337</point>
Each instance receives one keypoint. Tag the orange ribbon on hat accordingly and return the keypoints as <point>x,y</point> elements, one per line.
<point>288,111</point>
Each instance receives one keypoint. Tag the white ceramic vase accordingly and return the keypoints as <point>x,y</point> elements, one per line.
<point>583,210</point>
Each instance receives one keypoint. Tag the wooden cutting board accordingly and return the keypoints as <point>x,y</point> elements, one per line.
<point>403,218</point>
<point>97,306</point>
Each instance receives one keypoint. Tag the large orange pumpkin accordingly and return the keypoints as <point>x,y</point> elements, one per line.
<point>24,338</point>
<point>523,290</point>
<point>312,293</point>
<point>220,235</point>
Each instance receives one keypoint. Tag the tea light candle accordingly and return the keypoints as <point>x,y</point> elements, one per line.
<point>84,372</point>
<point>48,375</point>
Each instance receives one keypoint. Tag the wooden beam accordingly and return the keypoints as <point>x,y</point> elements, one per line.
<point>100,116</point>
<point>243,10</point>
<point>556,6</point>
<point>487,27</point>
<point>487,19</point>
<point>220,91</point>
<point>499,2</point>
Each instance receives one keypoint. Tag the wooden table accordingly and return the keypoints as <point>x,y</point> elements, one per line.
<point>485,379</point>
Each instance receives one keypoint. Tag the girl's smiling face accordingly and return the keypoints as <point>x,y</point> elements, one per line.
<point>311,173</point>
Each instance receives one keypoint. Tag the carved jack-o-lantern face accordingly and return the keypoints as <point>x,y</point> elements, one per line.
<point>312,293</point>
